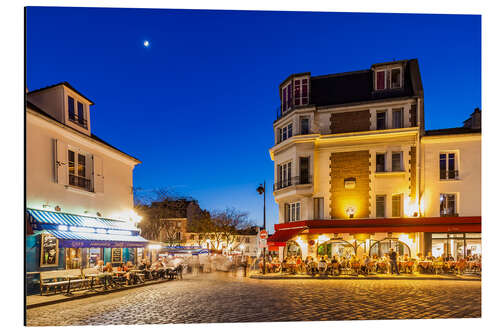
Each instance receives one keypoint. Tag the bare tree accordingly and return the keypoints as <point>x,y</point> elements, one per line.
<point>228,223</point>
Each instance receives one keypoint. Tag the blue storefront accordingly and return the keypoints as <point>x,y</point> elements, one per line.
<point>57,241</point>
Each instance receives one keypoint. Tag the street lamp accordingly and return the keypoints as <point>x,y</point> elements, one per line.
<point>262,190</point>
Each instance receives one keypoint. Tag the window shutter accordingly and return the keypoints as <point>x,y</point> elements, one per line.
<point>98,174</point>
<point>287,213</point>
<point>60,162</point>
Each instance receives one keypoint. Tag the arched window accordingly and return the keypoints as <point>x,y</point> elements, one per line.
<point>337,247</point>
<point>293,249</point>
<point>382,247</point>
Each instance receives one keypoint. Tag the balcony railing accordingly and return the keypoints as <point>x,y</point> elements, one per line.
<point>300,180</point>
<point>448,174</point>
<point>82,122</point>
<point>81,182</point>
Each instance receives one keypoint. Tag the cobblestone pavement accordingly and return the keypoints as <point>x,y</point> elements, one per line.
<point>218,298</point>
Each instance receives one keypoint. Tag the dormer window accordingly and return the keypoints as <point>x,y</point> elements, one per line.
<point>295,93</point>
<point>79,116</point>
<point>390,78</point>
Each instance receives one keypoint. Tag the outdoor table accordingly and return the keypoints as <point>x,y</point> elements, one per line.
<point>425,264</point>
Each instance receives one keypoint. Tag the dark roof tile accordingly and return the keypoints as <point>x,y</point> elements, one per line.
<point>64,83</point>
<point>451,131</point>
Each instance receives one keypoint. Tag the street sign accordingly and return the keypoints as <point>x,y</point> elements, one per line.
<point>263,234</point>
<point>263,243</point>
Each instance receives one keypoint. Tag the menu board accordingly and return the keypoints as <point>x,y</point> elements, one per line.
<point>116,255</point>
<point>49,250</point>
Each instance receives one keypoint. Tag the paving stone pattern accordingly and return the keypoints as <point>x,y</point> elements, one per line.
<point>221,298</point>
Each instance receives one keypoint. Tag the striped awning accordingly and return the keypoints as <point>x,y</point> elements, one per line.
<point>86,239</point>
<point>54,218</point>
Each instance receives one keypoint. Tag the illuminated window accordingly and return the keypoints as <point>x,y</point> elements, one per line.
<point>447,205</point>
<point>77,170</point>
<point>396,205</point>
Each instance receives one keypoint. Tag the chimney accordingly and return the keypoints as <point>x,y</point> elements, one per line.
<point>476,118</point>
<point>474,121</point>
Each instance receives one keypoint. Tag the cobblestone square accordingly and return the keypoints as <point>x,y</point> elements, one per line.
<point>221,298</point>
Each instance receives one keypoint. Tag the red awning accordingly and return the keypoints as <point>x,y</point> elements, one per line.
<point>281,236</point>
<point>422,224</point>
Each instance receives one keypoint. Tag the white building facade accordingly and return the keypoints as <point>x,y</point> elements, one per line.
<point>79,196</point>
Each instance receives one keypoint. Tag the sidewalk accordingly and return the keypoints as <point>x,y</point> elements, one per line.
<point>414,276</point>
<point>33,301</point>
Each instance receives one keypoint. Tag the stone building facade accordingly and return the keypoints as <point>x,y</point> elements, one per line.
<point>356,170</point>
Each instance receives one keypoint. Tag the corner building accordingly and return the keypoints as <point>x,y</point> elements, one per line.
<point>79,188</point>
<point>357,173</point>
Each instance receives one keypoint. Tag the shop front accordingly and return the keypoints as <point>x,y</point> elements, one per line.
<point>374,237</point>
<point>59,241</point>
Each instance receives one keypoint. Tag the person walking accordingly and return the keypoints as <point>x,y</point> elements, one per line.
<point>393,256</point>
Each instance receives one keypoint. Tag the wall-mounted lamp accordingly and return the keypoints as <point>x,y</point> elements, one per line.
<point>98,214</point>
<point>350,212</point>
<point>57,208</point>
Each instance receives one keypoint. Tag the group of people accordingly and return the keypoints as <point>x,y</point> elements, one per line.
<point>391,262</point>
<point>133,274</point>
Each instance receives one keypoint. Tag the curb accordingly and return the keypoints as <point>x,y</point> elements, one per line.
<point>260,277</point>
<point>86,295</point>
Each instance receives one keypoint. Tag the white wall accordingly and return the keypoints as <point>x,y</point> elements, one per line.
<point>467,186</point>
<point>116,200</point>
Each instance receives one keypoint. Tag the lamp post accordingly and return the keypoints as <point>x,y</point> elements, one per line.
<point>262,190</point>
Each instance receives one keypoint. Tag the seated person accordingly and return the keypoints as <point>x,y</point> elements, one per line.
<point>322,265</point>
<point>99,266</point>
<point>364,264</point>
<point>429,256</point>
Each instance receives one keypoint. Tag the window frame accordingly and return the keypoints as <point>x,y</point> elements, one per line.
<point>384,154</point>
<point>301,129</point>
<point>378,112</point>
<point>446,203</point>
<point>294,211</point>
<point>400,205</point>
<point>284,173</point>
<point>401,166</point>
<point>447,165</point>
<point>87,169</point>
<point>401,119</point>
<point>387,80</point>
<point>384,197</point>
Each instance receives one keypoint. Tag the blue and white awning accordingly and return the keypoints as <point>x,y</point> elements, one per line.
<point>72,220</point>
<point>85,239</point>
<point>84,231</point>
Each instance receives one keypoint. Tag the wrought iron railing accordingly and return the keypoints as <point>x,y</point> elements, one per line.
<point>81,182</point>
<point>448,174</point>
<point>79,121</point>
<point>299,180</point>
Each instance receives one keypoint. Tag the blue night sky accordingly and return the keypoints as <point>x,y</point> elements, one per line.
<point>197,106</point>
